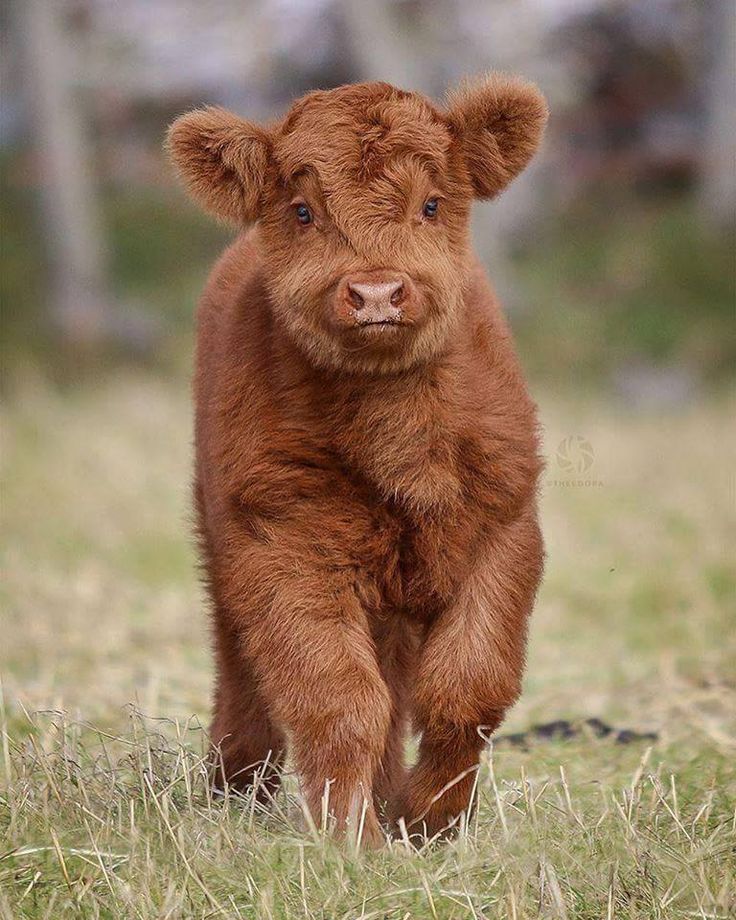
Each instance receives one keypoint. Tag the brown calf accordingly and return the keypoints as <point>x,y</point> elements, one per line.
<point>366,450</point>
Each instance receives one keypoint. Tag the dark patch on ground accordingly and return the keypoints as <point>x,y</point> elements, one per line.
<point>563,730</point>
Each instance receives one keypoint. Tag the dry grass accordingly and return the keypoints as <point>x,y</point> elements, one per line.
<point>105,812</point>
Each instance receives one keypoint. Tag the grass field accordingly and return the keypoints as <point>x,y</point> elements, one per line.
<point>104,809</point>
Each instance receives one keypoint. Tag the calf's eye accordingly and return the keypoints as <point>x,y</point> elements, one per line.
<point>430,208</point>
<point>303,215</point>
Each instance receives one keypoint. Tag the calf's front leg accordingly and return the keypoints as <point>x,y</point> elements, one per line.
<point>315,661</point>
<point>470,671</point>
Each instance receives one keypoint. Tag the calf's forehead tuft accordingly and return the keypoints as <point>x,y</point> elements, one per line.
<point>353,133</point>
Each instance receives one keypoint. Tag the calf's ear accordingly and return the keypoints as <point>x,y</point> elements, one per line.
<point>222,160</point>
<point>499,121</point>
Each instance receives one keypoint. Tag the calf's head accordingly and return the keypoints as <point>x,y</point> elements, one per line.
<point>362,195</point>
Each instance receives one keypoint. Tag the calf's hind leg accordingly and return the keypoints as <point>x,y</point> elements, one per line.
<point>248,747</point>
<point>396,645</point>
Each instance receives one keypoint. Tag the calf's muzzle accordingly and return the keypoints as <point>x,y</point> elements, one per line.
<point>373,299</point>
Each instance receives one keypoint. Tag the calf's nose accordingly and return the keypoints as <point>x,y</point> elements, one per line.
<point>376,296</point>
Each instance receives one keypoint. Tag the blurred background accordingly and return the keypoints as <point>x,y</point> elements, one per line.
<point>614,252</point>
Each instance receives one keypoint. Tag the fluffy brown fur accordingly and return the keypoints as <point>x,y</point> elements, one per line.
<point>366,450</point>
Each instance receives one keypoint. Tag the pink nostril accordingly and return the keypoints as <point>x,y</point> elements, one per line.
<point>378,296</point>
<point>397,295</point>
<point>355,296</point>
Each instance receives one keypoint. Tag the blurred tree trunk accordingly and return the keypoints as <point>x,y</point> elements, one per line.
<point>71,225</point>
<point>718,181</point>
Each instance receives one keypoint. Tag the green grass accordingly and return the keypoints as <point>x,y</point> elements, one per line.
<point>105,664</point>
<point>629,281</point>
